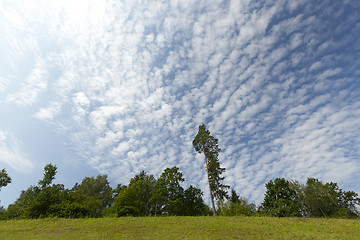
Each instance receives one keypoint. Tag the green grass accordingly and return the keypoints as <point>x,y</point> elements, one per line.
<point>181,228</point>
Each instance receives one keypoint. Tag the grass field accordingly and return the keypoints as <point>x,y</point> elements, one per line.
<point>181,228</point>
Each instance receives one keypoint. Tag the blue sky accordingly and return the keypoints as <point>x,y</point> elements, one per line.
<point>116,87</point>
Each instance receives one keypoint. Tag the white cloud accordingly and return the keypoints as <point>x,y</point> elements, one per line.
<point>11,153</point>
<point>100,116</point>
<point>48,113</point>
<point>35,84</point>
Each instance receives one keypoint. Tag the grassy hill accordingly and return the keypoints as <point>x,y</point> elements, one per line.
<point>181,228</point>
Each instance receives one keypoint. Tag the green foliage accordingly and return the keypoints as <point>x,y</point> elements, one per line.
<point>314,199</point>
<point>5,179</point>
<point>280,200</point>
<point>49,175</point>
<point>318,199</point>
<point>168,194</point>
<point>96,193</point>
<point>38,201</point>
<point>3,215</point>
<point>118,189</point>
<point>348,202</point>
<point>133,200</point>
<point>147,196</point>
<point>16,210</point>
<point>234,198</point>
<point>43,205</point>
<point>73,206</point>
<point>215,171</point>
<point>206,144</point>
<point>236,206</point>
<point>89,199</point>
<point>193,204</point>
<point>94,197</point>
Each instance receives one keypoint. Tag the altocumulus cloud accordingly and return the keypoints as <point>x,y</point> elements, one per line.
<point>11,154</point>
<point>128,83</point>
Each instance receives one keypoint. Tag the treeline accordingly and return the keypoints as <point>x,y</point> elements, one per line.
<point>147,196</point>
<point>93,197</point>
<point>285,198</point>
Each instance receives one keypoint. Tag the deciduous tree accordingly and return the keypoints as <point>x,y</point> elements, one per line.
<point>5,179</point>
<point>134,199</point>
<point>49,175</point>
<point>193,203</point>
<point>168,194</point>
<point>97,188</point>
<point>328,200</point>
<point>280,200</point>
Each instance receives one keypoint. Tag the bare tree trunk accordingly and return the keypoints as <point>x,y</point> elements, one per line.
<point>323,213</point>
<point>207,172</point>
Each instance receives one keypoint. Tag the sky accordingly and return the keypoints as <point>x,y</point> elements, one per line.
<point>116,87</point>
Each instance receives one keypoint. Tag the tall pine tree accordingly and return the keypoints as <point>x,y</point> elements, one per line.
<point>206,144</point>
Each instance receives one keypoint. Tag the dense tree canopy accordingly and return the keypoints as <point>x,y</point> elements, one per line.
<point>318,199</point>
<point>193,203</point>
<point>134,199</point>
<point>280,200</point>
<point>313,199</point>
<point>45,200</point>
<point>168,194</point>
<point>97,192</point>
<point>147,196</point>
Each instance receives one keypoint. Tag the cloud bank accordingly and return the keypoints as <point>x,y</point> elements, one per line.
<point>275,81</point>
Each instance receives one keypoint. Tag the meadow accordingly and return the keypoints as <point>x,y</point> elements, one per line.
<point>181,228</point>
